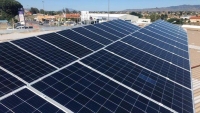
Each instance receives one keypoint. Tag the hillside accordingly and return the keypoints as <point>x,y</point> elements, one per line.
<point>171,8</point>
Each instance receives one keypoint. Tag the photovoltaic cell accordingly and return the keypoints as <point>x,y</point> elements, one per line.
<point>26,101</point>
<point>81,39</point>
<point>128,24</point>
<point>175,32</point>
<point>162,44</point>
<point>8,83</point>
<point>143,81</point>
<point>116,28</point>
<point>166,34</point>
<point>101,32</point>
<point>181,32</point>
<point>122,26</point>
<point>66,44</point>
<point>162,53</point>
<point>98,38</point>
<point>117,33</point>
<point>45,51</point>
<point>22,64</point>
<point>164,38</point>
<point>85,91</point>
<point>157,65</point>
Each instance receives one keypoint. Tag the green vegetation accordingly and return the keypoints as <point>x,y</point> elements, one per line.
<point>9,9</point>
<point>176,21</point>
<point>136,14</point>
<point>34,10</point>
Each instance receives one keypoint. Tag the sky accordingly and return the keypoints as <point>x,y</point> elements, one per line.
<point>102,5</point>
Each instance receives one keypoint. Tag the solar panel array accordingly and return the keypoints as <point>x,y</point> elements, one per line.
<point>110,67</point>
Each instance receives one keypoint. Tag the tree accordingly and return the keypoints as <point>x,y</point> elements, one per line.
<point>154,17</point>
<point>74,11</point>
<point>42,11</point>
<point>136,14</point>
<point>175,21</point>
<point>9,8</point>
<point>34,10</point>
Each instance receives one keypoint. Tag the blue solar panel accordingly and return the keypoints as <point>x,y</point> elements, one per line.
<point>157,65</point>
<point>66,44</point>
<point>81,39</point>
<point>116,28</point>
<point>165,38</point>
<point>117,33</point>
<point>8,83</point>
<point>142,80</point>
<point>85,91</point>
<point>22,64</point>
<point>99,38</point>
<point>146,72</point>
<point>162,44</point>
<point>172,27</point>
<point>26,101</point>
<point>166,35</point>
<point>157,51</point>
<point>175,32</point>
<point>103,33</point>
<point>121,25</point>
<point>127,24</point>
<point>46,51</point>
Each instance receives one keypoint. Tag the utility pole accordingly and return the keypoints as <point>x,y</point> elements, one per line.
<point>43,6</point>
<point>108,9</point>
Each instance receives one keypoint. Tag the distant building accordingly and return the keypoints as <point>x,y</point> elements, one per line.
<point>73,15</point>
<point>143,22</point>
<point>195,19</point>
<point>185,17</point>
<point>103,17</point>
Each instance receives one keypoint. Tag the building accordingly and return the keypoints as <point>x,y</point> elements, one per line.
<point>143,22</point>
<point>73,16</point>
<point>86,17</point>
<point>3,24</point>
<point>185,17</point>
<point>195,19</point>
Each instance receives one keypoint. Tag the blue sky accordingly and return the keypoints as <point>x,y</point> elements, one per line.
<point>101,5</point>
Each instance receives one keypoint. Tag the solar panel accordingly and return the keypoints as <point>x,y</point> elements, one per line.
<point>164,38</point>
<point>116,28</point>
<point>109,67</point>
<point>108,35</point>
<point>46,51</point>
<point>117,33</point>
<point>122,26</point>
<point>92,35</point>
<point>157,51</point>
<point>66,44</point>
<point>142,80</point>
<point>167,35</point>
<point>24,65</point>
<point>83,90</point>
<point>162,44</point>
<point>8,83</point>
<point>81,39</point>
<point>127,24</point>
<point>26,101</point>
<point>153,63</point>
<point>174,32</point>
<point>174,28</point>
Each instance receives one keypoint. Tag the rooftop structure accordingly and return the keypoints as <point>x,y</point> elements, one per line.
<point>110,67</point>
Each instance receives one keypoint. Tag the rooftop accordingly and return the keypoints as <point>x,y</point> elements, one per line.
<point>194,40</point>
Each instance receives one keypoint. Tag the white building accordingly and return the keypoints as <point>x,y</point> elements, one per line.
<point>98,18</point>
<point>185,17</point>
